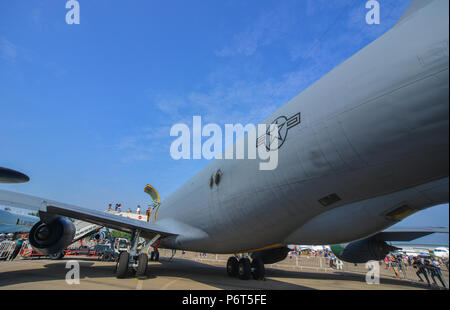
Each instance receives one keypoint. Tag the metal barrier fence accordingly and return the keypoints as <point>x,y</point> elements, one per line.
<point>321,264</point>
<point>6,248</point>
<point>28,252</point>
<point>311,263</point>
<point>301,263</point>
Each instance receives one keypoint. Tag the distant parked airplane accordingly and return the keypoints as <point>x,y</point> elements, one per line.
<point>16,223</point>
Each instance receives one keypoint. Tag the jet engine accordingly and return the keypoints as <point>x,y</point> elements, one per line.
<point>52,236</point>
<point>362,251</point>
<point>272,256</point>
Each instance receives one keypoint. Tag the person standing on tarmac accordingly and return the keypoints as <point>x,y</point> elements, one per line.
<point>401,266</point>
<point>394,265</point>
<point>17,248</point>
<point>138,210</point>
<point>148,213</point>
<point>386,262</point>
<point>421,269</point>
<point>435,271</point>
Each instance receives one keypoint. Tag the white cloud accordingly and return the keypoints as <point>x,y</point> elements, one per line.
<point>267,28</point>
<point>8,51</point>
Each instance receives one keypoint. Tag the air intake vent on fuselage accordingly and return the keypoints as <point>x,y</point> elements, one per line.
<point>328,200</point>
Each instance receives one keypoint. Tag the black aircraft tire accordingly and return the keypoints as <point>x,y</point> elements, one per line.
<point>142,265</point>
<point>244,270</point>
<point>258,270</point>
<point>232,267</point>
<point>122,265</point>
<point>58,255</point>
<point>106,257</point>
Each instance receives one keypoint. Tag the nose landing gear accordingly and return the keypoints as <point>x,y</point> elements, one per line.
<point>142,265</point>
<point>134,261</point>
<point>122,265</point>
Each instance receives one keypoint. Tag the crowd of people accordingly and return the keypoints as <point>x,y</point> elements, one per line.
<point>426,267</point>
<point>330,259</point>
<point>118,208</point>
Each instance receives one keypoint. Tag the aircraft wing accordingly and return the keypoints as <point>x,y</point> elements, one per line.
<point>409,233</point>
<point>113,221</point>
<point>6,229</point>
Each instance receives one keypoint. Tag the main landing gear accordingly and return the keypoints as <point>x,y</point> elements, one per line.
<point>244,269</point>
<point>133,261</point>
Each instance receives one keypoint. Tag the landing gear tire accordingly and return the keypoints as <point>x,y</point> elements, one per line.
<point>257,269</point>
<point>154,256</point>
<point>232,267</point>
<point>244,270</point>
<point>58,255</point>
<point>122,265</point>
<point>142,265</point>
<point>106,257</point>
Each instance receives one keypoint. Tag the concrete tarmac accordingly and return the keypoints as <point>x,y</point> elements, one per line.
<point>177,274</point>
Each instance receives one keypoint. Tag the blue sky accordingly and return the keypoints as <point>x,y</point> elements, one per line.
<point>86,109</point>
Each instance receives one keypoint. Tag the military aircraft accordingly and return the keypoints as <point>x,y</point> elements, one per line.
<point>370,146</point>
<point>441,252</point>
<point>422,250</point>
<point>14,223</point>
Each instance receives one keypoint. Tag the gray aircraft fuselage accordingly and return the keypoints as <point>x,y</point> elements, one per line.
<point>374,132</point>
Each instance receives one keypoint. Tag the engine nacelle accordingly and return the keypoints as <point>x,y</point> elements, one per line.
<point>272,256</point>
<point>362,251</point>
<point>52,237</point>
